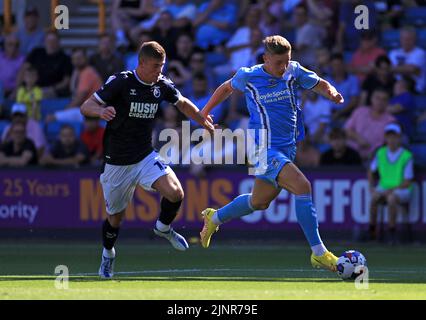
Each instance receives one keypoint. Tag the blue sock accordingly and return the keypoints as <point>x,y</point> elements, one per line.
<point>238,207</point>
<point>307,218</point>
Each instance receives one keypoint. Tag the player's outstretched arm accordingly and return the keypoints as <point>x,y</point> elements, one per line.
<point>92,108</point>
<point>325,89</point>
<point>191,111</point>
<point>221,93</point>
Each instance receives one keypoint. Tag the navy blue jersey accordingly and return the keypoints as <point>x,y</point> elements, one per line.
<point>127,138</point>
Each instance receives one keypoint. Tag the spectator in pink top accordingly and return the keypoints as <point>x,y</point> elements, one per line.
<point>365,127</point>
<point>363,59</point>
<point>10,62</point>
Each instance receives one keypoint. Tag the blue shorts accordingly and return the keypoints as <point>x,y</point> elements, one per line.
<point>276,160</point>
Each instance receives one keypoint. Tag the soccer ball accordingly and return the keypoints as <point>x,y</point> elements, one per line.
<point>348,262</point>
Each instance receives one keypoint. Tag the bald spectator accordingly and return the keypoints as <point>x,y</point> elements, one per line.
<point>365,128</point>
<point>409,60</point>
<point>30,35</point>
<point>19,151</point>
<point>53,66</point>
<point>11,61</point>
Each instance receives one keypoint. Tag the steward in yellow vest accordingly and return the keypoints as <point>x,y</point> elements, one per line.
<point>394,166</point>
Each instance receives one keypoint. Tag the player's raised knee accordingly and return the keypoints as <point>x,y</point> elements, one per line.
<point>176,195</point>
<point>303,186</point>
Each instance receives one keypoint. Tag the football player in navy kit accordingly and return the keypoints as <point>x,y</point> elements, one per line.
<point>129,102</point>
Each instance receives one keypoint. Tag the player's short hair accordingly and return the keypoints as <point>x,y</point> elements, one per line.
<point>151,50</point>
<point>276,45</point>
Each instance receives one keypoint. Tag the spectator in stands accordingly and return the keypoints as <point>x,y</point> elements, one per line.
<point>19,151</point>
<point>240,40</point>
<point>33,128</point>
<point>307,156</point>
<point>394,165</point>
<point>323,66</point>
<point>30,35</point>
<point>201,96</point>
<point>163,32</point>
<point>365,127</point>
<point>362,62</point>
<point>381,77</point>
<point>348,35</point>
<point>10,61</point>
<point>309,37</point>
<point>325,13</point>
<point>84,82</point>
<point>214,22</point>
<point>409,60</point>
<point>67,151</point>
<point>340,153</point>
<point>178,66</point>
<point>183,12</point>
<point>126,14</point>
<point>132,58</point>
<point>402,105</point>
<point>30,94</point>
<point>53,66</point>
<point>197,64</point>
<point>92,137</point>
<point>346,84</point>
<point>106,61</point>
<point>316,115</point>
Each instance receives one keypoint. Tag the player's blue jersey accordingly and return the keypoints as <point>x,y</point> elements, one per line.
<point>272,102</point>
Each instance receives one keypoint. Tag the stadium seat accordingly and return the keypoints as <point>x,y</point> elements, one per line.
<point>52,129</point>
<point>3,125</point>
<point>49,106</point>
<point>415,16</point>
<point>420,101</point>
<point>390,39</point>
<point>419,153</point>
<point>421,38</point>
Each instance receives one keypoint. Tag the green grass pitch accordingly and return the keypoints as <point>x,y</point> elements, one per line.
<point>228,270</point>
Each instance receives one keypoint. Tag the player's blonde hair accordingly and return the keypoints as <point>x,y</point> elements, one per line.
<point>151,49</point>
<point>276,45</point>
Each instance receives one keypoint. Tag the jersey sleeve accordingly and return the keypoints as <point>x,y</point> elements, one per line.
<point>172,94</point>
<point>239,80</point>
<point>306,78</point>
<point>110,90</point>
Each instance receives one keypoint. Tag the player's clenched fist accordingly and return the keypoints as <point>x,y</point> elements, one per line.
<point>108,113</point>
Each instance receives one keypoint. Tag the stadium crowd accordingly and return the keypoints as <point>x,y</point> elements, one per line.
<point>381,72</point>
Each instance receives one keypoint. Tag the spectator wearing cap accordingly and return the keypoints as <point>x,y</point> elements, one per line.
<point>409,59</point>
<point>19,151</point>
<point>340,153</point>
<point>67,151</point>
<point>394,166</point>
<point>30,35</point>
<point>11,61</point>
<point>33,128</point>
<point>362,62</point>
<point>365,127</point>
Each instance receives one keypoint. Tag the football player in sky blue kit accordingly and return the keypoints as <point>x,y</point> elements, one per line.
<point>270,92</point>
